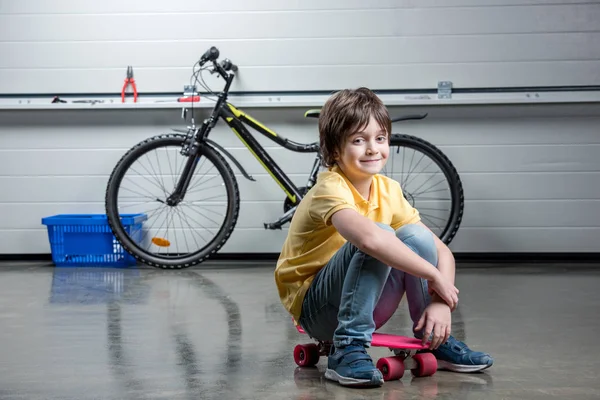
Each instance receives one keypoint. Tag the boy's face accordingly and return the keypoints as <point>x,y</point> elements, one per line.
<point>364,153</point>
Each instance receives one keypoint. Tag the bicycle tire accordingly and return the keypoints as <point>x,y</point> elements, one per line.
<point>133,248</point>
<point>451,174</point>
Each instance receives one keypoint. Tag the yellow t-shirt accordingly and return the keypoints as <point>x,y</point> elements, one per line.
<point>312,240</point>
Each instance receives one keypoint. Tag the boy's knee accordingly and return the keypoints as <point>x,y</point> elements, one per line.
<point>414,230</point>
<point>416,233</point>
<point>420,239</point>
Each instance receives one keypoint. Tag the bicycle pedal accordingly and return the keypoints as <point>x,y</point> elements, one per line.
<point>273,225</point>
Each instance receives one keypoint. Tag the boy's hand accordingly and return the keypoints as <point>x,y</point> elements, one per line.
<point>436,297</point>
<point>447,291</point>
<point>437,320</point>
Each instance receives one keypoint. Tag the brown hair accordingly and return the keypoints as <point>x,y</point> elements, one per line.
<point>346,112</point>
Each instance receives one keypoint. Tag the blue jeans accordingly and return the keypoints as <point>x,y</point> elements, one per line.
<point>355,294</point>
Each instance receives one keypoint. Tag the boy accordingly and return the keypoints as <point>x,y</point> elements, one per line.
<point>355,245</point>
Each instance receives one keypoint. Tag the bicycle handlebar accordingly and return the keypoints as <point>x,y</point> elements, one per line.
<point>228,65</point>
<point>212,55</point>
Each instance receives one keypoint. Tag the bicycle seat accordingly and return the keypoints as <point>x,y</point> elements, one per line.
<point>312,113</point>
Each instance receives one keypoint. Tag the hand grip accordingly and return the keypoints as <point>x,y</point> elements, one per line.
<point>210,55</point>
<point>228,65</point>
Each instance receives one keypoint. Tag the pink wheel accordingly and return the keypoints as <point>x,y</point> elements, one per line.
<point>426,364</point>
<point>306,355</point>
<point>392,368</point>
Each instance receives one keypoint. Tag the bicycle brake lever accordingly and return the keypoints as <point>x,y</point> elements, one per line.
<point>214,68</point>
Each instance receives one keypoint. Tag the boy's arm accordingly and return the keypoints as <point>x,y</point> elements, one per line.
<point>386,247</point>
<point>446,263</point>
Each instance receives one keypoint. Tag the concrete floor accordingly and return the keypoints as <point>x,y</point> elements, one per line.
<point>219,332</point>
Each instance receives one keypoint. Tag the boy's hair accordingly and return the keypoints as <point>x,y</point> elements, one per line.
<point>346,112</point>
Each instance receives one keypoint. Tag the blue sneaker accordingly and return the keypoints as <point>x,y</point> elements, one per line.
<point>352,366</point>
<point>456,356</point>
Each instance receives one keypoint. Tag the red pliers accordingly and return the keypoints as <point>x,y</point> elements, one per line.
<point>129,80</point>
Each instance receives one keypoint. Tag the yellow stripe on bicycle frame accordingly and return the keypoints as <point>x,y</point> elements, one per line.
<point>291,197</point>
<point>238,114</point>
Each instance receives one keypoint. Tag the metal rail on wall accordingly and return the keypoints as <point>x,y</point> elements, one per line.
<point>440,98</point>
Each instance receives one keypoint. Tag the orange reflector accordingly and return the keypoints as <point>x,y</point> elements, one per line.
<point>161,242</point>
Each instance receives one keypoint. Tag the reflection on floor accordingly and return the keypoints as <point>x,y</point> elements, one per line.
<point>219,332</point>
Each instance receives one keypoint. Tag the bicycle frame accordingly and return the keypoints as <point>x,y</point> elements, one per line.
<point>236,119</point>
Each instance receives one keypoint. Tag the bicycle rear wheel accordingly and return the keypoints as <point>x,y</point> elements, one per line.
<point>174,235</point>
<point>429,182</point>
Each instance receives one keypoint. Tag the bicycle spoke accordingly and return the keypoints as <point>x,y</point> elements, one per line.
<point>201,189</point>
<point>169,213</point>
<point>433,208</point>
<point>430,187</point>
<point>161,227</point>
<point>185,236</point>
<point>432,216</point>
<point>168,161</point>
<point>402,181</point>
<point>427,217</point>
<point>136,184</point>
<point>199,224</point>
<point>137,204</point>
<point>150,198</point>
<point>206,205</point>
<point>161,177</point>
<point>430,191</point>
<point>411,170</point>
<point>160,183</point>
<point>198,212</point>
<point>427,180</point>
<point>196,187</point>
<point>437,199</point>
<point>204,199</point>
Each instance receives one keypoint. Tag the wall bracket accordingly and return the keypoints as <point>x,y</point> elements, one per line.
<point>444,89</point>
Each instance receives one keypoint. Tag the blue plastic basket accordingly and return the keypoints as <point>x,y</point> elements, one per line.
<point>87,240</point>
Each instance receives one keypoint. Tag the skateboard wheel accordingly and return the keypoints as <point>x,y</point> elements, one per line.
<point>391,368</point>
<point>426,364</point>
<point>306,355</point>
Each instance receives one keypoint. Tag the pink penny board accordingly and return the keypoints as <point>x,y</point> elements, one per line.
<point>391,341</point>
<point>421,364</point>
<point>397,342</point>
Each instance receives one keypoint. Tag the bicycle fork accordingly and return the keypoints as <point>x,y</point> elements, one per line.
<point>191,151</point>
<point>184,181</point>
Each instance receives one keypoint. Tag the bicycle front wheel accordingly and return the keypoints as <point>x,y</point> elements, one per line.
<point>176,234</point>
<point>429,182</point>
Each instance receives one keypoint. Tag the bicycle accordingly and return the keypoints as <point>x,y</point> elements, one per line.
<point>194,148</point>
